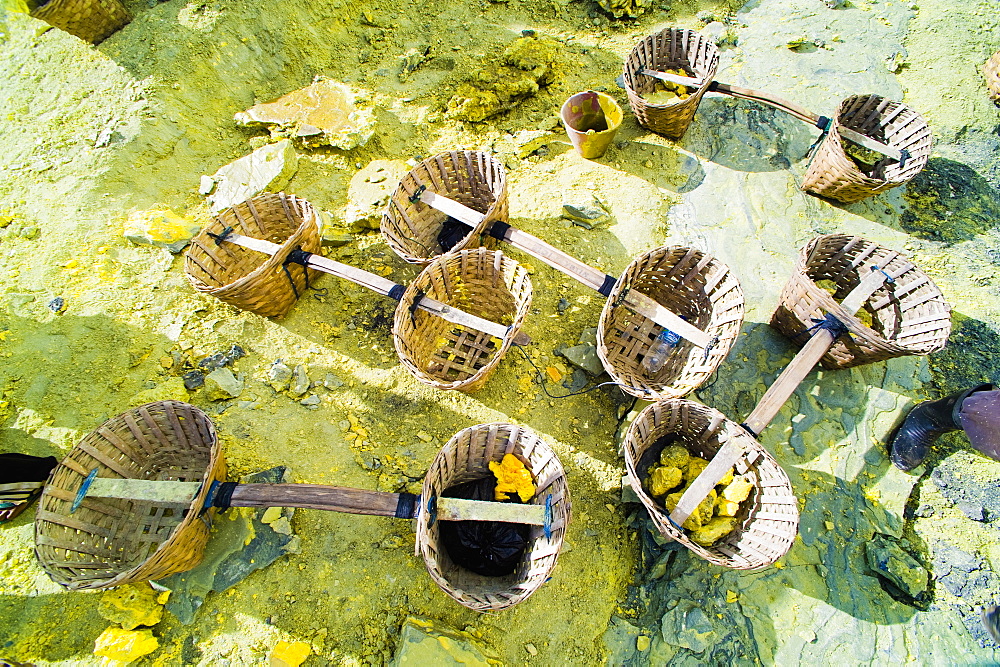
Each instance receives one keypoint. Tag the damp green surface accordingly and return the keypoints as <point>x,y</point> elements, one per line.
<point>93,134</point>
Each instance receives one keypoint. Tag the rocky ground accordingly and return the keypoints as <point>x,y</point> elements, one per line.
<point>95,138</point>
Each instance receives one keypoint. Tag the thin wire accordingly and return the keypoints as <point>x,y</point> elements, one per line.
<point>541,379</point>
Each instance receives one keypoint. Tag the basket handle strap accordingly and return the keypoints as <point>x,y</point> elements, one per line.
<point>810,354</point>
<point>803,114</point>
<point>567,264</point>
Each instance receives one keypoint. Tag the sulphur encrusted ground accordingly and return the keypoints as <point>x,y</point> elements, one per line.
<point>92,134</point>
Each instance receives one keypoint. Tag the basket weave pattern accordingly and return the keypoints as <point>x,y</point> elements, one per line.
<point>691,284</point>
<point>466,457</point>
<point>768,519</point>
<point>909,316</point>
<point>108,541</point>
<point>832,174</point>
<point>91,20</point>
<point>671,48</point>
<point>445,355</point>
<point>991,70</point>
<point>249,279</point>
<point>473,178</point>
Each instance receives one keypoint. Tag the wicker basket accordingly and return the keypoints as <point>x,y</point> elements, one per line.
<point>108,542</point>
<point>693,285</point>
<point>991,70</point>
<point>91,20</point>
<point>466,457</point>
<point>671,48</point>
<point>246,278</point>
<point>473,178</point>
<point>767,521</point>
<point>449,356</point>
<point>832,174</point>
<point>908,316</point>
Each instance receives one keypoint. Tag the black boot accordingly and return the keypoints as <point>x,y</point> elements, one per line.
<point>912,438</point>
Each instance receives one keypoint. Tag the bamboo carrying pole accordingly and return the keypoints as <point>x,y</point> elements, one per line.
<point>386,287</point>
<point>775,397</point>
<point>822,122</point>
<point>574,268</point>
<point>311,496</point>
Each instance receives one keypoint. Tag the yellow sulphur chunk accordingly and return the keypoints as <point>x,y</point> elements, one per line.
<point>713,531</point>
<point>674,455</point>
<point>512,477</point>
<point>725,507</point>
<point>694,467</point>
<point>738,490</point>
<point>726,479</point>
<point>664,479</point>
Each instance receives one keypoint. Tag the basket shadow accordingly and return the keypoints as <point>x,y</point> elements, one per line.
<point>949,201</point>
<point>746,136</point>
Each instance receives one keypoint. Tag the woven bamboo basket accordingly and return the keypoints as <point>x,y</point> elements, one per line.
<point>834,175</point>
<point>908,316</point>
<point>108,542</point>
<point>695,286</point>
<point>246,278</point>
<point>445,355</point>
<point>473,178</point>
<point>466,457</point>
<point>671,48</point>
<point>991,70</point>
<point>767,521</point>
<point>91,20</point>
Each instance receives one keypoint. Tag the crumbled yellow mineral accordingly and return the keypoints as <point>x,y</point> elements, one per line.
<point>512,477</point>
<point>131,605</point>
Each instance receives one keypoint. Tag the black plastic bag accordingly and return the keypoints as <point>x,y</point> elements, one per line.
<point>452,232</point>
<point>489,548</point>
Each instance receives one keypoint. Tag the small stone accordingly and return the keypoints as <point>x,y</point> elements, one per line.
<point>132,605</point>
<point>628,493</point>
<point>426,642</point>
<point>578,380</point>
<point>530,648</point>
<point>30,232</point>
<point>584,209</point>
<point>588,336</point>
<point>337,238</point>
<point>193,380</point>
<point>162,228</point>
<point>562,306</point>
<point>300,382</point>
<point>268,168</point>
<point>221,385</point>
<point>972,510</point>
<point>279,375</point>
<point>585,357</point>
<point>331,381</point>
<point>57,305</point>
<point>270,515</point>
<point>688,625</point>
<point>289,654</point>
<point>206,185</point>
<point>310,400</point>
<point>425,436</point>
<point>125,645</point>
<point>642,643</point>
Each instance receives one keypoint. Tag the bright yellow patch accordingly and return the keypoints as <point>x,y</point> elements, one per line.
<point>512,477</point>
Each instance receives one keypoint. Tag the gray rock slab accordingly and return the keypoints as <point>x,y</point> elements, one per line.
<point>268,168</point>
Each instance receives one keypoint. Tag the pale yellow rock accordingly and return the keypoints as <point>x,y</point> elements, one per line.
<point>725,507</point>
<point>131,605</point>
<point>642,643</point>
<point>271,514</point>
<point>323,113</point>
<point>125,646</point>
<point>289,654</point>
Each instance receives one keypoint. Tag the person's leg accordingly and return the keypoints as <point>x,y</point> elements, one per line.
<point>912,438</point>
<point>979,415</point>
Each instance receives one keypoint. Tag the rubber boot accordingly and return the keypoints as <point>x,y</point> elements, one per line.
<point>912,438</point>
